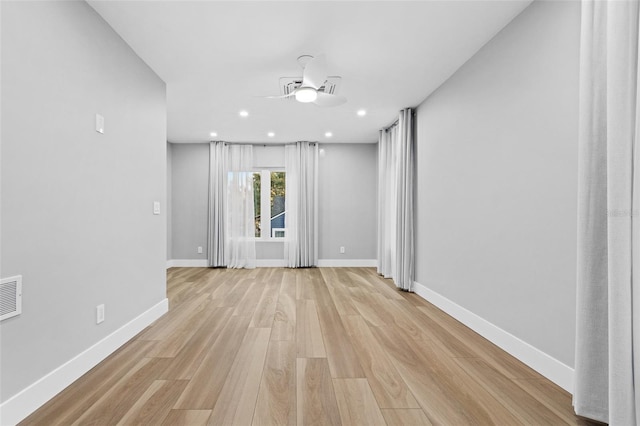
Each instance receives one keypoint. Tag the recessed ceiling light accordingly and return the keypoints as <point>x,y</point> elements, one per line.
<point>244,113</point>
<point>361,112</point>
<point>328,134</point>
<point>271,134</point>
<point>213,134</point>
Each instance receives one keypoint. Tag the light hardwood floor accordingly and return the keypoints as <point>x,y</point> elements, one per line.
<point>323,346</point>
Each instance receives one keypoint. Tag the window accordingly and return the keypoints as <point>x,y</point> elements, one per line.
<point>269,194</point>
<point>257,201</point>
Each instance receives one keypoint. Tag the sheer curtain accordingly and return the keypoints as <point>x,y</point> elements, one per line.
<point>217,194</point>
<point>607,367</point>
<point>396,182</point>
<point>231,239</point>
<point>240,244</point>
<point>301,205</point>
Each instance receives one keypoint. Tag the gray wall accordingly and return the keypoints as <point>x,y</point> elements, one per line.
<point>347,200</point>
<point>189,200</point>
<point>77,206</point>
<point>497,180</point>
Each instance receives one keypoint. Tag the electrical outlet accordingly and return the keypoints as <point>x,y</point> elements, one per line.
<point>200,250</point>
<point>99,314</point>
<point>341,249</point>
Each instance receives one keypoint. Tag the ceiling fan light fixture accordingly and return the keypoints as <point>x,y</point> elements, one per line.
<point>306,94</point>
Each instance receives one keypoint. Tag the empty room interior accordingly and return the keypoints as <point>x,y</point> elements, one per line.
<point>319,212</point>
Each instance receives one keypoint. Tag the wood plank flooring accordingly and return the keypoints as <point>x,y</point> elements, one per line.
<point>322,346</point>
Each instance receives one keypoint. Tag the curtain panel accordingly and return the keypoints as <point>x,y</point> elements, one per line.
<point>301,205</point>
<point>607,367</point>
<point>217,207</point>
<point>387,193</point>
<point>240,243</point>
<point>231,239</point>
<point>396,186</point>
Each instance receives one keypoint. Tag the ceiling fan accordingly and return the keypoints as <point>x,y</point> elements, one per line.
<point>313,86</point>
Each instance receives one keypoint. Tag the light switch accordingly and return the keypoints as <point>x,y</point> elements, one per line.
<point>99,314</point>
<point>99,123</point>
<point>156,207</point>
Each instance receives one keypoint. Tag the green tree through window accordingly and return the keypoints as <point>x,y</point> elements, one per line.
<point>277,193</point>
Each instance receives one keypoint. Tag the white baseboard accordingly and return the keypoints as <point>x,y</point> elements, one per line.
<point>203,263</point>
<point>271,263</point>
<point>551,368</point>
<point>187,263</point>
<point>279,263</point>
<point>347,263</point>
<point>19,406</point>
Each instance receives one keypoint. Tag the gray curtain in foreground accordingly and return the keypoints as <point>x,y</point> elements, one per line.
<point>217,207</point>
<point>607,369</point>
<point>301,205</point>
<point>396,183</point>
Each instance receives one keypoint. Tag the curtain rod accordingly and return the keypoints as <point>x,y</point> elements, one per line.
<point>391,126</point>
<point>263,144</point>
<point>395,123</point>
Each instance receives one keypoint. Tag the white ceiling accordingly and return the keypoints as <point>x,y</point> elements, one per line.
<point>218,57</point>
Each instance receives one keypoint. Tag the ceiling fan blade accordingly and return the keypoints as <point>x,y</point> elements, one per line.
<point>279,96</point>
<point>315,72</point>
<point>327,100</point>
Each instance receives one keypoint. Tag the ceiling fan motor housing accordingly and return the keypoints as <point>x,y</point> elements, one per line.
<point>289,84</point>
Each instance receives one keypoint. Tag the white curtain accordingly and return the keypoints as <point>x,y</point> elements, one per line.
<point>387,193</point>
<point>607,368</point>
<point>240,244</point>
<point>217,195</point>
<point>301,205</point>
<point>231,239</point>
<point>396,186</point>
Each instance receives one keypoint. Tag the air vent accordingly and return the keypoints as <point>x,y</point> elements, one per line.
<point>10,297</point>
<point>289,84</point>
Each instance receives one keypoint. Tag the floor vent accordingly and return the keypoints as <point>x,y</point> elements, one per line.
<point>10,297</point>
